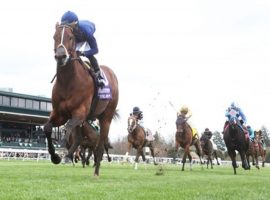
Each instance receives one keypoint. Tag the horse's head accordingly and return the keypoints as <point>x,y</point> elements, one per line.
<point>64,43</point>
<point>204,139</point>
<point>132,124</point>
<point>181,123</point>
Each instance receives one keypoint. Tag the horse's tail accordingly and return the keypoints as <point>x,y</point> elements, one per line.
<point>116,115</point>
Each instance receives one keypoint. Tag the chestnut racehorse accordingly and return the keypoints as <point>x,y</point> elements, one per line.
<point>74,95</point>
<point>184,138</point>
<point>137,140</point>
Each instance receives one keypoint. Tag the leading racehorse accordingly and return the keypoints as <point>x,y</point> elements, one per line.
<point>236,140</point>
<point>75,94</point>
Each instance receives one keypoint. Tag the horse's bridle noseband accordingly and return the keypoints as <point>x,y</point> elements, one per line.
<point>61,48</point>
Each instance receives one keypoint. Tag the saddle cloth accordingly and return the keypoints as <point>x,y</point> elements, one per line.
<point>105,92</point>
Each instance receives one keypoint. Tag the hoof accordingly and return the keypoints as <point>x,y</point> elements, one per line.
<point>109,159</point>
<point>55,159</point>
<point>87,162</point>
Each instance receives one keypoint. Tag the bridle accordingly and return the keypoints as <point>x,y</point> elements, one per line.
<point>181,124</point>
<point>61,51</point>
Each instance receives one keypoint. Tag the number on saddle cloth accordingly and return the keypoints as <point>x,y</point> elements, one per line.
<point>149,136</point>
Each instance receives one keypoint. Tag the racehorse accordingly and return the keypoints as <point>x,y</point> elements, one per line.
<point>137,140</point>
<point>75,95</point>
<point>89,140</point>
<point>184,138</point>
<point>208,150</point>
<point>256,150</point>
<point>236,140</point>
<point>253,151</point>
<point>262,146</point>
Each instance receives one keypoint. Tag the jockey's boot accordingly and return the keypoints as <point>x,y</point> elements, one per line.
<point>95,65</point>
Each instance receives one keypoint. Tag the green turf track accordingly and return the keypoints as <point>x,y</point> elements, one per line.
<point>43,180</point>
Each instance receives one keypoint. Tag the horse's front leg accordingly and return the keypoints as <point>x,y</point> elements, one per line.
<point>138,154</point>
<point>185,157</point>
<point>232,155</point>
<point>55,158</point>
<point>244,160</point>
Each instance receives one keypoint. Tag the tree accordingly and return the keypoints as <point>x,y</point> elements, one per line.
<point>266,135</point>
<point>218,140</point>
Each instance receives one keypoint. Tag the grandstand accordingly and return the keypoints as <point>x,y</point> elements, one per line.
<point>21,120</point>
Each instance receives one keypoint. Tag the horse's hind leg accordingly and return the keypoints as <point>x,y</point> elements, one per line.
<point>199,150</point>
<point>190,161</point>
<point>104,130</point>
<point>153,154</point>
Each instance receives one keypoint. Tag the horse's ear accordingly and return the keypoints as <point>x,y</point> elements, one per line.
<point>57,24</point>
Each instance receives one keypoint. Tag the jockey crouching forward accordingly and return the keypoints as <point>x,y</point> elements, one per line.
<point>251,133</point>
<point>240,116</point>
<point>138,114</point>
<point>86,43</point>
<point>185,112</point>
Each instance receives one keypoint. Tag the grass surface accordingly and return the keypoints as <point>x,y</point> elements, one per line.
<point>43,180</point>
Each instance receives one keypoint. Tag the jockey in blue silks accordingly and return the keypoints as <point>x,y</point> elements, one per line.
<point>251,133</point>
<point>86,43</point>
<point>239,111</point>
<point>240,114</point>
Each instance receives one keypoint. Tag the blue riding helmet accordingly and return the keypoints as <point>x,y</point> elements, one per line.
<point>233,105</point>
<point>136,110</point>
<point>69,17</point>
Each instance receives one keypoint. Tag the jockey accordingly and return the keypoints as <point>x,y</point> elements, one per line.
<point>251,133</point>
<point>208,133</point>
<point>239,111</point>
<point>240,114</point>
<point>185,112</point>
<point>83,32</point>
<point>138,114</point>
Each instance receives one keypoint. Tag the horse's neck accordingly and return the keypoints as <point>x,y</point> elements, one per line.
<point>73,72</point>
<point>138,130</point>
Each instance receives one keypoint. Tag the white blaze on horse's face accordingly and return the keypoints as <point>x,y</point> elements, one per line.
<point>132,124</point>
<point>61,53</point>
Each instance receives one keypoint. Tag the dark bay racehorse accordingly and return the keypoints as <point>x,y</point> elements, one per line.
<point>208,150</point>
<point>236,140</point>
<point>137,140</point>
<point>88,142</point>
<point>74,96</point>
<point>184,138</point>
